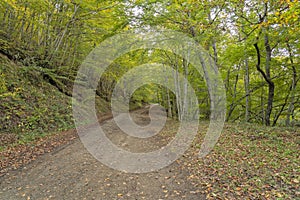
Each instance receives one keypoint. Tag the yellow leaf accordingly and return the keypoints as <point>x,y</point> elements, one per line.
<point>279,195</point>
<point>295,180</point>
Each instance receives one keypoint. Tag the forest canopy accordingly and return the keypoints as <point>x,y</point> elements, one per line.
<point>255,45</point>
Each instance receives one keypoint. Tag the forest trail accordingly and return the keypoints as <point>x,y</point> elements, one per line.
<point>72,172</point>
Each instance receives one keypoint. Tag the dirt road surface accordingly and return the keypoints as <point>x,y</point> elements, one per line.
<point>71,172</point>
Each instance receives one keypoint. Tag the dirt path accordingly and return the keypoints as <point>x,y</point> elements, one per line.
<point>71,172</point>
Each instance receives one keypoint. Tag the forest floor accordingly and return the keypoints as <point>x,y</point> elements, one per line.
<point>247,163</point>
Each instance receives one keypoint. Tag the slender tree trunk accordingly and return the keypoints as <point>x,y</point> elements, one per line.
<point>233,103</point>
<point>291,107</point>
<point>169,105</point>
<point>247,91</point>
<point>213,44</point>
<point>271,85</point>
<point>262,104</point>
<point>185,87</point>
<point>177,91</point>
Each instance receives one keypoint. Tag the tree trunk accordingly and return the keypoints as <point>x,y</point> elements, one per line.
<point>214,45</point>
<point>262,104</point>
<point>271,85</point>
<point>291,108</point>
<point>267,77</point>
<point>233,103</point>
<point>177,92</point>
<point>247,91</point>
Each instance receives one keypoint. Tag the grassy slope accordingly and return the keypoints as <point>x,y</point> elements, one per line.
<point>30,106</point>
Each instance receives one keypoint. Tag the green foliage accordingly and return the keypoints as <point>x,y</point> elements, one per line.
<point>29,104</point>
